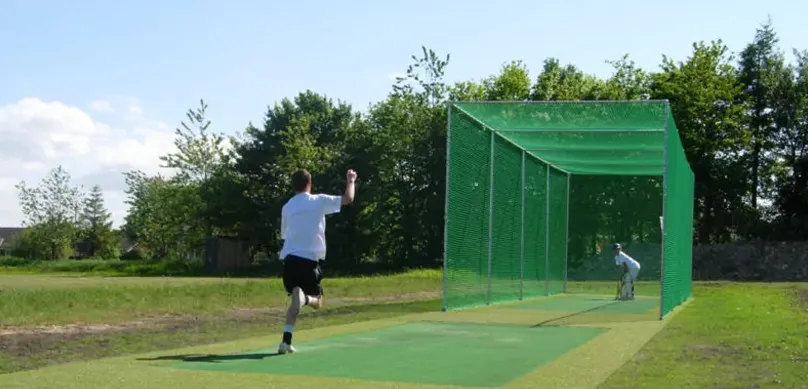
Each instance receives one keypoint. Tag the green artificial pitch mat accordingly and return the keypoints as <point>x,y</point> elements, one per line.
<point>581,303</point>
<point>437,353</point>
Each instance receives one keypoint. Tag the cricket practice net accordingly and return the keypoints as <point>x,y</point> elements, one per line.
<point>537,192</point>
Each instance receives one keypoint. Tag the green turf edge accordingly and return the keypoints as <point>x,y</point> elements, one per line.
<point>591,364</point>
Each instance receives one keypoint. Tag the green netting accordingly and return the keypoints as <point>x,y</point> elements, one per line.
<point>678,224</point>
<point>537,193</point>
<point>558,230</point>
<point>535,268</point>
<point>507,221</point>
<point>467,222</point>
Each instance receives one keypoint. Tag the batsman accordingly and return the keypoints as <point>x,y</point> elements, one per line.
<point>631,268</point>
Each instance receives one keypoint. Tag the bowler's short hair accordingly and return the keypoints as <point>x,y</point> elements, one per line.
<point>300,180</point>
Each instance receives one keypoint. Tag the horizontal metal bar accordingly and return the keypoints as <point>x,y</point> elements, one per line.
<point>602,163</point>
<point>581,131</point>
<point>579,148</point>
<point>550,102</point>
<point>630,173</point>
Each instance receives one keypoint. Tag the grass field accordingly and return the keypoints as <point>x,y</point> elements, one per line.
<point>730,336</point>
<point>45,300</point>
<point>733,335</point>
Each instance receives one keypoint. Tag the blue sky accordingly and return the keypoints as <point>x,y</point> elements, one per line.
<point>133,66</point>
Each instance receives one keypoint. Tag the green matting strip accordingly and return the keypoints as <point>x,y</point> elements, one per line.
<point>600,304</point>
<point>459,354</point>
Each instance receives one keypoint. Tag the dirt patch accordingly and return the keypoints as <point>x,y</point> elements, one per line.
<point>168,320</point>
<point>709,351</point>
<point>31,350</point>
<point>801,295</point>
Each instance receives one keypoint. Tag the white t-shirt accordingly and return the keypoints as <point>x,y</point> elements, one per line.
<point>631,263</point>
<point>303,224</point>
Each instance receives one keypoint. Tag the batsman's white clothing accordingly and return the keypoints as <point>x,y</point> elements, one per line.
<point>633,270</point>
<point>303,224</point>
<point>631,263</point>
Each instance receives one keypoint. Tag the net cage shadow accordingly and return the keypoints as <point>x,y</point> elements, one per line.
<point>537,192</point>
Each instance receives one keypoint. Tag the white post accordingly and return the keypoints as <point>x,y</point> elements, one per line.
<point>490,215</point>
<point>522,236</point>
<point>547,236</point>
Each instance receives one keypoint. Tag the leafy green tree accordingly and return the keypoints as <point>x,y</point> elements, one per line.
<point>52,209</point>
<point>511,84</point>
<point>160,216</point>
<point>308,132</point>
<point>467,91</point>
<point>565,83</point>
<point>629,82</point>
<point>702,91</point>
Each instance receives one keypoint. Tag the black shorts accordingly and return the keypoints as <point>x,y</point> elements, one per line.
<point>303,273</point>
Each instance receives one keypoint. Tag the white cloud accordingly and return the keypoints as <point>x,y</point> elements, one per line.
<point>101,106</point>
<point>38,135</point>
<point>136,110</point>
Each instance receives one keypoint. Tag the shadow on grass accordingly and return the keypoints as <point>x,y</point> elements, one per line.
<point>211,358</point>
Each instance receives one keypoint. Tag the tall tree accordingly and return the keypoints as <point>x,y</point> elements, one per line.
<point>424,78</point>
<point>760,65</point>
<point>100,240</point>
<point>415,120</point>
<point>791,200</point>
<point>199,153</point>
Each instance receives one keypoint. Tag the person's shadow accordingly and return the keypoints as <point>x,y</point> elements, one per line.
<point>211,358</point>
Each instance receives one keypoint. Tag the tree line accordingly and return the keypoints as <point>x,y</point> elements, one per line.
<point>743,120</point>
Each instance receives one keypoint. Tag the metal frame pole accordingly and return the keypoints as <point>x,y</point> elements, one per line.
<point>662,232</point>
<point>547,236</point>
<point>445,303</point>
<point>490,214</point>
<point>522,236</point>
<point>567,234</point>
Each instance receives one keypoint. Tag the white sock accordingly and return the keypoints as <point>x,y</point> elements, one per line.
<point>288,328</point>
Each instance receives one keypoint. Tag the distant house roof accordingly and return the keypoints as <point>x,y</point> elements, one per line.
<point>6,233</point>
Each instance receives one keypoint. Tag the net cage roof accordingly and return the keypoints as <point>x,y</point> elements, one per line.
<point>584,137</point>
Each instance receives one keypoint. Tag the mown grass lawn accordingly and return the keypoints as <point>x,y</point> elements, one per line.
<point>733,335</point>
